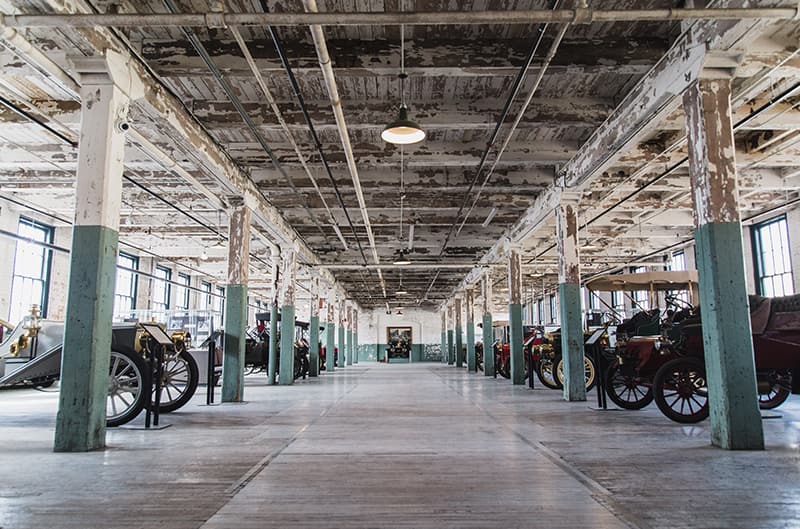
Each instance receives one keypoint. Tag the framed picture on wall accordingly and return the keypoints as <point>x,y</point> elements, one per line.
<point>399,341</point>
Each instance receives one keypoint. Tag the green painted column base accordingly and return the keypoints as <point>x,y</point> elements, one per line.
<point>355,347</point>
<point>451,357</point>
<point>313,346</point>
<point>342,348</point>
<point>727,340</point>
<point>459,345</point>
<point>272,365</point>
<point>516,345</point>
<point>330,346</point>
<point>488,350</point>
<point>569,296</point>
<point>233,352</point>
<point>286,374</point>
<point>81,419</point>
<point>472,364</point>
<point>444,347</point>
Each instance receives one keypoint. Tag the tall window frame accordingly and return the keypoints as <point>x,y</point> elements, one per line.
<point>182,291</point>
<point>772,257</point>
<point>33,263</point>
<point>641,297</point>
<point>540,310</point>
<point>204,299</point>
<point>126,285</point>
<point>553,309</point>
<point>160,296</point>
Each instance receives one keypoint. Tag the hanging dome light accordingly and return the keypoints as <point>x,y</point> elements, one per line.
<point>401,259</point>
<point>403,131</point>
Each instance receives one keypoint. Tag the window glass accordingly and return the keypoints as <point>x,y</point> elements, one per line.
<point>773,263</point>
<point>182,292</point>
<point>677,262</point>
<point>204,299</point>
<point>553,309</point>
<point>30,283</point>
<point>219,303</point>
<point>540,310</point>
<point>641,297</point>
<point>125,291</point>
<point>161,289</point>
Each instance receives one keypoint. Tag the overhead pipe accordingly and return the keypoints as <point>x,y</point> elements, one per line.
<point>545,65</point>
<point>282,122</point>
<point>333,92</point>
<point>314,137</point>
<point>234,99</point>
<point>581,15</point>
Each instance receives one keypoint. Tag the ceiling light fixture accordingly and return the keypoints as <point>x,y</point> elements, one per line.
<point>401,259</point>
<point>400,290</point>
<point>204,255</point>
<point>403,131</point>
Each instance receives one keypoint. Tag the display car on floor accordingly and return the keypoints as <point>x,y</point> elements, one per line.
<point>30,356</point>
<point>636,354</point>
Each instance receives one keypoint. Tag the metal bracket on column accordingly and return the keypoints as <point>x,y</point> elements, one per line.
<point>721,65</point>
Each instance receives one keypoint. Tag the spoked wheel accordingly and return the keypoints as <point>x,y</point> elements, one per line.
<point>300,367</point>
<point>589,372</point>
<point>680,390</point>
<point>125,398</point>
<point>179,382</point>
<point>629,391</point>
<point>779,387</point>
<point>544,371</point>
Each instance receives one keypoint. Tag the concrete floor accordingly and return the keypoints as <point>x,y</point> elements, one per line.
<point>377,446</point>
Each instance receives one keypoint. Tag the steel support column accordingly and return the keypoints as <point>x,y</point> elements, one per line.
<point>515,315</point>
<point>81,419</point>
<point>313,330</point>
<point>488,330</point>
<point>342,333</point>
<point>350,333</point>
<point>330,335</point>
<point>236,304</point>
<point>287,300</point>
<point>355,335</point>
<point>569,298</point>
<point>272,363</point>
<point>469,300</point>
<point>451,357</point>
<point>727,339</point>
<point>444,335</point>
<point>459,331</point>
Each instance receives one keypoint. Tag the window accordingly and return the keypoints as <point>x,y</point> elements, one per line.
<point>594,301</point>
<point>618,302</point>
<point>204,299</point>
<point>30,283</point>
<point>553,318</point>
<point>641,297</point>
<point>125,291</point>
<point>540,310</point>
<point>219,302</point>
<point>161,289</point>
<point>182,292</point>
<point>773,263</point>
<point>676,262</point>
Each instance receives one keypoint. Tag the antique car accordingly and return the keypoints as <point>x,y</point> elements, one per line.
<point>31,356</point>
<point>680,387</point>
<point>637,353</point>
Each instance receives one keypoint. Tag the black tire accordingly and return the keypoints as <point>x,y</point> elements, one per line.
<point>780,387</point>
<point>590,372</point>
<point>680,390</point>
<point>505,369</point>
<point>630,392</point>
<point>544,372</point>
<point>179,382</point>
<point>125,398</point>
